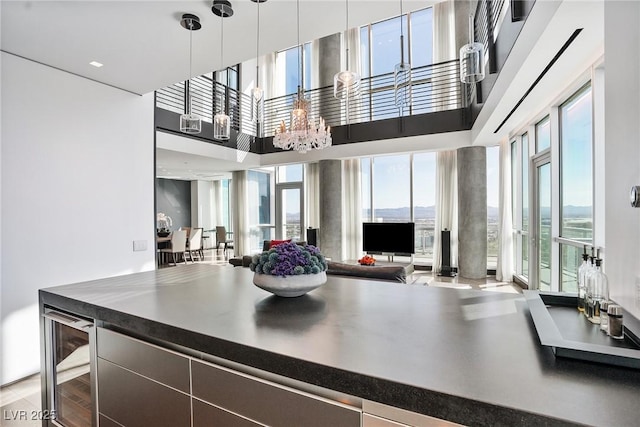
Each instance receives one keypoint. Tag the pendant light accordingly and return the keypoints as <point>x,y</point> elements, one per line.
<point>257,93</point>
<point>189,122</point>
<point>346,84</point>
<point>471,59</point>
<point>221,121</point>
<point>402,74</point>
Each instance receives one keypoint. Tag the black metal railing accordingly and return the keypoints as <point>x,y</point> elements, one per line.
<point>487,21</point>
<point>433,88</point>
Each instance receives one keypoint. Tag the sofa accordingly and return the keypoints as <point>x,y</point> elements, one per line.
<point>394,273</point>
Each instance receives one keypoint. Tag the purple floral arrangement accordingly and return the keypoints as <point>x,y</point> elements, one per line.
<point>288,259</point>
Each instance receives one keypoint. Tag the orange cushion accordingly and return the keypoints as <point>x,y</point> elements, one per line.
<point>277,242</point>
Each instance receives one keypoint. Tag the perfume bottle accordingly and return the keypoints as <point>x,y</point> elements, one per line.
<point>582,280</point>
<point>597,291</point>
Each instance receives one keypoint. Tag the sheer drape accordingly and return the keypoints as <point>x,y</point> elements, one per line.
<point>353,43</point>
<point>504,269</point>
<point>216,211</point>
<point>312,188</point>
<point>444,49</point>
<point>241,237</point>
<point>352,209</point>
<point>446,206</point>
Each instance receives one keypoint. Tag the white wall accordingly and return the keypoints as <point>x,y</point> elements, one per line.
<point>622,149</point>
<point>76,190</point>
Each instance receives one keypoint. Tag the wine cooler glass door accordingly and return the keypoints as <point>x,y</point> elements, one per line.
<point>70,386</point>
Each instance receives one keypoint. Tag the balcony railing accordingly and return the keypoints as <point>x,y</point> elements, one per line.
<point>434,88</point>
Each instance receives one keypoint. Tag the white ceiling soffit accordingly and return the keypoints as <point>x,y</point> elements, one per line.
<point>144,48</point>
<point>185,158</point>
<point>178,157</point>
<point>546,30</point>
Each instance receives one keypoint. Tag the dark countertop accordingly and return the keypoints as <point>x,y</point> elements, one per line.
<point>468,356</point>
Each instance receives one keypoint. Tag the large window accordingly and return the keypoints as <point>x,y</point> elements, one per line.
<point>380,52</point>
<point>543,134</point>
<point>391,189</point>
<point>576,176</point>
<point>493,203</point>
<point>520,204</point>
<point>424,202</point>
<point>524,189</point>
<point>565,174</point>
<point>289,66</point>
<point>390,195</point>
<point>260,189</point>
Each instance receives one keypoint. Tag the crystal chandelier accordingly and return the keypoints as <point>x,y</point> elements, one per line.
<point>471,59</point>
<point>303,133</point>
<point>189,122</point>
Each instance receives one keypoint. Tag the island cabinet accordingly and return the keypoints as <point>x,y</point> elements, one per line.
<point>143,384</point>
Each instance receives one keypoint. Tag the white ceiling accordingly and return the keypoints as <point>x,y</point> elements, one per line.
<point>143,47</point>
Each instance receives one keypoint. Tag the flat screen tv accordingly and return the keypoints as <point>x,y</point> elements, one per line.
<point>388,237</point>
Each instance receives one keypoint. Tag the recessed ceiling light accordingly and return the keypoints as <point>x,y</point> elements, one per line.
<point>96,64</point>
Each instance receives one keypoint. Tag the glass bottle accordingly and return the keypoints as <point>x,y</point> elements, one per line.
<point>599,288</point>
<point>582,280</point>
<point>588,272</point>
<point>604,317</point>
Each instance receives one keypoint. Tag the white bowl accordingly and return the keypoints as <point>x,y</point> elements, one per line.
<point>289,286</point>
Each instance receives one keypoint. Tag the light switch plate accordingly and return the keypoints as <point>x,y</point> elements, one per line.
<point>139,245</point>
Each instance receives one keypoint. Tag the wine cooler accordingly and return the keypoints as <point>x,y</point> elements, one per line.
<point>69,371</point>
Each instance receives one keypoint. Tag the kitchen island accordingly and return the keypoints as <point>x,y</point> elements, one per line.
<point>466,356</point>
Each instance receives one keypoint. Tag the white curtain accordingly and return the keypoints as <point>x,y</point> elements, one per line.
<point>216,199</point>
<point>504,269</point>
<point>444,32</point>
<point>352,209</point>
<point>444,49</point>
<point>351,40</point>
<point>446,206</point>
<point>241,236</point>
<point>312,193</point>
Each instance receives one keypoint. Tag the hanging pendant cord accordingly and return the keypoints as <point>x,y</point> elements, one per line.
<point>190,61</point>
<point>257,42</point>
<point>300,70</point>
<point>222,54</point>
<point>347,37</point>
<point>401,36</point>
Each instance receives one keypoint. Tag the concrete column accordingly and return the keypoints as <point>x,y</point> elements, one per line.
<point>330,174</point>
<point>472,212</point>
<point>328,64</point>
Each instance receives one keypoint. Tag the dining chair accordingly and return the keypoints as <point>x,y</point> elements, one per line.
<point>221,237</point>
<point>195,243</point>
<point>187,229</point>
<point>178,245</point>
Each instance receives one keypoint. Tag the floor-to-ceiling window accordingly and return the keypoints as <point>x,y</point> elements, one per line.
<point>401,188</point>
<point>380,52</point>
<point>290,202</point>
<point>493,203</point>
<point>288,64</point>
<point>260,206</point>
<point>576,183</point>
<point>559,171</point>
